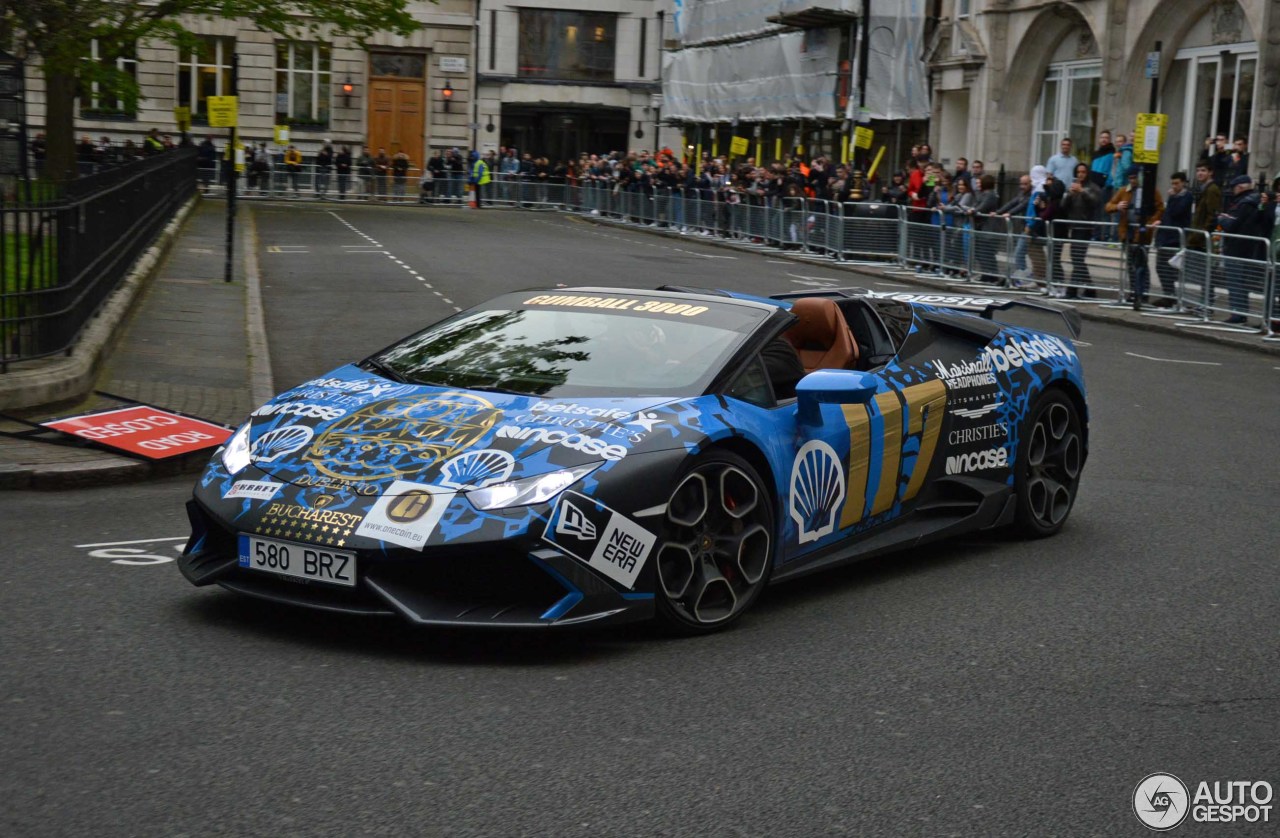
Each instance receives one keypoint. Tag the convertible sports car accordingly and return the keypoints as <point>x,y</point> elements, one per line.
<point>600,455</point>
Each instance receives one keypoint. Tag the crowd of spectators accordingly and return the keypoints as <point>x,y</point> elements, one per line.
<point>1065,204</point>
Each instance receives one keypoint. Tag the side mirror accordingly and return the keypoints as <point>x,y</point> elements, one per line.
<point>832,387</point>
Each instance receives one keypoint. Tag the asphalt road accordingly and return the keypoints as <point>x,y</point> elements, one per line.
<point>980,687</point>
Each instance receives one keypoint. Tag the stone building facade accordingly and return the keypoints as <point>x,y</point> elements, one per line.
<point>573,76</point>
<point>1011,78</point>
<point>396,86</point>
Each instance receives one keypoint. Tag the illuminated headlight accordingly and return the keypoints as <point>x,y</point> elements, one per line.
<point>542,487</point>
<point>235,454</point>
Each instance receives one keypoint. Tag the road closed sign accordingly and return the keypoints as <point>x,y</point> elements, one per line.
<point>144,431</point>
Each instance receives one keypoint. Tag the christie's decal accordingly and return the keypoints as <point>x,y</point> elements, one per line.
<point>982,433</point>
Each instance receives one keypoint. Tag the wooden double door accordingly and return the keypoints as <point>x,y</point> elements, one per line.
<point>397,117</point>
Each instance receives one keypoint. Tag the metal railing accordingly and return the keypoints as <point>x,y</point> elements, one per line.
<point>60,261</point>
<point>1082,260</point>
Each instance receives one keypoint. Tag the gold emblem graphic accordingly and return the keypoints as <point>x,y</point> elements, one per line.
<point>400,437</point>
<point>410,506</point>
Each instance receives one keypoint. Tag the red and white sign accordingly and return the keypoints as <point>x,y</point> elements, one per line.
<point>145,431</point>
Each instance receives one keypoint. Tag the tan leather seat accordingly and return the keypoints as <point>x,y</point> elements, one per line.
<point>821,336</point>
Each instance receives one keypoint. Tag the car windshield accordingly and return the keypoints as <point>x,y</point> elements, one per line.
<point>575,348</point>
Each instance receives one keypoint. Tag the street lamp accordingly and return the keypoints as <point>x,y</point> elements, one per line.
<point>446,93</point>
<point>348,87</point>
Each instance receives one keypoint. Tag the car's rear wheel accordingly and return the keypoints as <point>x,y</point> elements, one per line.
<point>1050,459</point>
<point>715,553</point>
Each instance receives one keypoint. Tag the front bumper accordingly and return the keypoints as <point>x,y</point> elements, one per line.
<point>512,583</point>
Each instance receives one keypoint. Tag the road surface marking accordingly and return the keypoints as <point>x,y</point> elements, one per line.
<point>1174,360</point>
<point>136,541</point>
<point>360,248</point>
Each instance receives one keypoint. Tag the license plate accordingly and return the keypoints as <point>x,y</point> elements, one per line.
<point>301,561</point>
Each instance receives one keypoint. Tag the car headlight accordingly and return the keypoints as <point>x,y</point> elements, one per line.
<point>235,454</point>
<point>536,489</point>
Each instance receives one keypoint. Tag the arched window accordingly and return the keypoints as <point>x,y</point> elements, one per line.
<point>1068,105</point>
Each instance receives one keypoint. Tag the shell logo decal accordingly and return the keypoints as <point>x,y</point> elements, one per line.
<point>817,489</point>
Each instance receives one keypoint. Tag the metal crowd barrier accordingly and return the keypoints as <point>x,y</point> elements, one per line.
<point>1232,277</point>
<point>1207,278</point>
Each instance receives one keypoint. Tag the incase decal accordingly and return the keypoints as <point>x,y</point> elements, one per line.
<point>406,515</point>
<point>302,410</point>
<point>255,489</point>
<point>977,461</point>
<point>577,442</point>
<point>606,540</point>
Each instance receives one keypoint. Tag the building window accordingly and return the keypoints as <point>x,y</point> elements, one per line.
<point>404,65</point>
<point>95,100</point>
<point>1068,108</point>
<point>566,46</point>
<point>964,8</point>
<point>303,84</point>
<point>205,72</point>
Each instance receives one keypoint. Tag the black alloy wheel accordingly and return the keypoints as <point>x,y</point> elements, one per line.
<point>1050,459</point>
<point>715,554</point>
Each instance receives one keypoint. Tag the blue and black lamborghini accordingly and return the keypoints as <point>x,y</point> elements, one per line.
<point>601,455</point>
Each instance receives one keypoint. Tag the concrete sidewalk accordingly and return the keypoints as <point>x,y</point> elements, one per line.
<point>191,343</point>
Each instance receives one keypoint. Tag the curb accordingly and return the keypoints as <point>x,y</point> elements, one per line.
<point>1249,343</point>
<point>71,379</point>
<point>261,384</point>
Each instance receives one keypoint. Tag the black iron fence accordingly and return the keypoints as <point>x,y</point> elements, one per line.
<point>61,259</point>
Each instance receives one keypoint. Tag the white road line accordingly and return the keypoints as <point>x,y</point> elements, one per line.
<point>137,541</point>
<point>1175,360</point>
<point>818,278</point>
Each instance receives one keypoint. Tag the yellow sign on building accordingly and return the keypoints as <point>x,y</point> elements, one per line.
<point>738,146</point>
<point>281,134</point>
<point>222,111</point>
<point>182,116</point>
<point>1148,137</point>
<point>862,137</point>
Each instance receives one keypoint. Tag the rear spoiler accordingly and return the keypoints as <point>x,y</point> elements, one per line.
<point>984,307</point>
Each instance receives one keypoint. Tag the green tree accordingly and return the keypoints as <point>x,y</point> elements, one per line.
<point>60,32</point>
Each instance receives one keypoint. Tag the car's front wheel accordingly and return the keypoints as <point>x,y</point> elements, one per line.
<point>1050,458</point>
<point>714,556</point>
